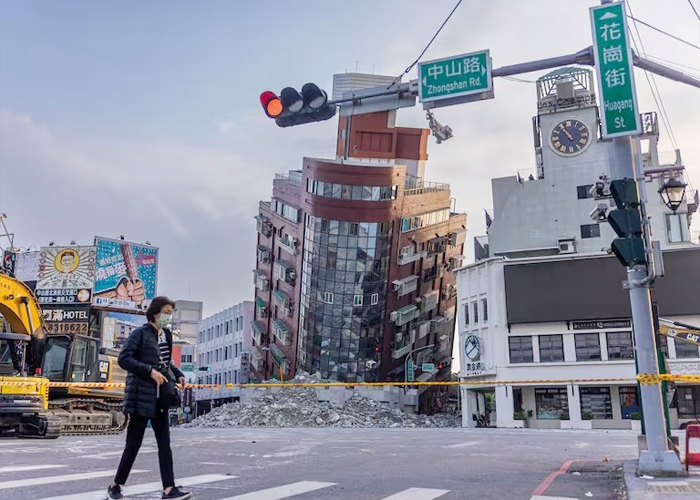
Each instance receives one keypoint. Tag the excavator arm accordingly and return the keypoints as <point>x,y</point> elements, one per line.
<point>680,331</point>
<point>23,314</point>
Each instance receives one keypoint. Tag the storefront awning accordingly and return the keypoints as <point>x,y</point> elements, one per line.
<point>260,302</point>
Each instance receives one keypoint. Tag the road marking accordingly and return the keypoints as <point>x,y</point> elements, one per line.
<point>280,492</point>
<point>538,497</point>
<point>20,483</point>
<point>463,445</point>
<point>138,489</point>
<point>25,468</point>
<point>418,494</point>
<point>110,454</point>
<point>550,479</point>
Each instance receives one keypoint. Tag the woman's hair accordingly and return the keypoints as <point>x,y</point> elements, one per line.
<point>157,305</point>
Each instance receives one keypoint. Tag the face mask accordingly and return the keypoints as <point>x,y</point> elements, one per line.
<point>164,320</point>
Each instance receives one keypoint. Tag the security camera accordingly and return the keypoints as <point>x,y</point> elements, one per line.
<point>600,213</point>
<point>601,188</point>
<point>440,132</point>
<point>371,364</point>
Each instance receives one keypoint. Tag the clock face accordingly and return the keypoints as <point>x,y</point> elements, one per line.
<point>569,137</point>
<point>472,347</point>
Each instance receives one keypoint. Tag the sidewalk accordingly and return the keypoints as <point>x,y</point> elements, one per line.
<point>647,488</point>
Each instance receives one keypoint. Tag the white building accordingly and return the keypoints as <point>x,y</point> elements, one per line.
<point>223,350</point>
<point>186,318</point>
<point>544,301</point>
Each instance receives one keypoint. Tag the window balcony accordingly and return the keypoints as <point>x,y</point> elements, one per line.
<point>288,244</point>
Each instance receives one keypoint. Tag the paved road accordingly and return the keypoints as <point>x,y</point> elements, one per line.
<point>325,464</point>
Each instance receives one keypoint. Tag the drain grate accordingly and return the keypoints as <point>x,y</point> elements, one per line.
<point>674,487</point>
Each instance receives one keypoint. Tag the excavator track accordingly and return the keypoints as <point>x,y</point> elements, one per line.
<point>81,417</point>
<point>40,426</point>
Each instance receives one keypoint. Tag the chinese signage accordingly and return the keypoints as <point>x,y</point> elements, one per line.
<point>68,296</point>
<point>125,275</point>
<point>615,71</point>
<point>473,369</point>
<point>65,275</point>
<point>455,76</point>
<point>601,325</point>
<point>69,319</point>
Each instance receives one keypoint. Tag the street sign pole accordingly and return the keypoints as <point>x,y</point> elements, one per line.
<point>620,120</point>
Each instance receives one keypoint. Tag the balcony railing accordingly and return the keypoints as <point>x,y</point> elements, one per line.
<point>286,179</point>
<point>666,158</point>
<point>423,187</point>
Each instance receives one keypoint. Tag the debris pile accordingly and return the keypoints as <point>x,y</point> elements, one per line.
<point>300,407</point>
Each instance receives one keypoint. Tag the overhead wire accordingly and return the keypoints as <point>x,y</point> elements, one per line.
<point>652,85</point>
<point>673,63</point>
<point>662,31</point>
<point>409,68</point>
<point>694,9</point>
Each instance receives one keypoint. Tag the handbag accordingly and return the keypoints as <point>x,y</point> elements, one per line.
<point>168,394</point>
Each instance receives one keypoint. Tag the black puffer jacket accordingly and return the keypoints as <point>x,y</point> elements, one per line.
<point>139,356</point>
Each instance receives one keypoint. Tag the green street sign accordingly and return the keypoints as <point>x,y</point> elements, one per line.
<point>455,76</point>
<point>410,376</point>
<point>615,71</point>
<point>187,367</point>
<point>428,367</point>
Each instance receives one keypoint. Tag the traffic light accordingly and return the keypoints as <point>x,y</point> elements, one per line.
<point>205,368</point>
<point>626,221</point>
<point>294,108</point>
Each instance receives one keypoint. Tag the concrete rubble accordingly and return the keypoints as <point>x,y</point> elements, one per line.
<point>300,407</point>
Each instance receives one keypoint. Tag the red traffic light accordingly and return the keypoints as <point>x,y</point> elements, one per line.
<point>440,366</point>
<point>377,349</point>
<point>271,104</point>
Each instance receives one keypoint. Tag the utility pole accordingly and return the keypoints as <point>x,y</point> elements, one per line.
<point>620,120</point>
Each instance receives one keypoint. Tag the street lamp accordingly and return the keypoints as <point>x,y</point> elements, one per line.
<point>673,194</point>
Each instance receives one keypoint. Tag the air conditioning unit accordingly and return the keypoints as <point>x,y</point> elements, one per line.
<point>394,316</point>
<point>567,246</point>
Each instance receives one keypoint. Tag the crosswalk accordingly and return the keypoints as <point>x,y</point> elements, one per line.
<point>50,474</point>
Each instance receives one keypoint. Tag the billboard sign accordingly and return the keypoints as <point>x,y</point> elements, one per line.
<point>125,275</point>
<point>27,268</point>
<point>67,319</point>
<point>8,261</point>
<point>66,275</point>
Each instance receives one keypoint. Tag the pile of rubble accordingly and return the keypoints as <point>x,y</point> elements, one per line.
<point>300,407</point>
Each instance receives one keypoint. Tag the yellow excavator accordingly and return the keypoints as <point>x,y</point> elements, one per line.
<point>30,358</point>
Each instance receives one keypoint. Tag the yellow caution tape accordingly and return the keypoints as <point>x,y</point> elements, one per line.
<point>643,378</point>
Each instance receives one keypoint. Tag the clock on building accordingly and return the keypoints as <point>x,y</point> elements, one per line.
<point>472,347</point>
<point>569,137</point>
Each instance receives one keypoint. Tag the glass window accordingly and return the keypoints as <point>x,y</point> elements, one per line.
<point>674,227</point>
<point>375,299</point>
<point>551,403</point>
<point>590,231</point>
<point>485,310</point>
<point>375,193</point>
<point>583,191</point>
<point>466,315</point>
<point>596,403</point>
<point>476,312</point>
<point>337,189</point>
<point>551,348</point>
<point>620,345</point>
<point>587,346</point>
<point>357,300</point>
<point>629,404</point>
<point>685,349</point>
<point>520,349</point>
<point>688,401</point>
<point>356,192</point>
<point>328,297</point>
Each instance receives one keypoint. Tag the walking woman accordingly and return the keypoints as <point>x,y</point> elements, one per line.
<point>146,357</point>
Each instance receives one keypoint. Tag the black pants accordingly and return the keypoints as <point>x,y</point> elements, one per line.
<point>134,438</point>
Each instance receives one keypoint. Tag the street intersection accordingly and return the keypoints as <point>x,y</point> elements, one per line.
<point>343,464</point>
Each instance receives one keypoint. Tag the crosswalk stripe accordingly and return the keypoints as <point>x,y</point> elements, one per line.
<point>540,497</point>
<point>281,492</point>
<point>25,468</point>
<point>138,489</point>
<point>19,483</point>
<point>418,494</point>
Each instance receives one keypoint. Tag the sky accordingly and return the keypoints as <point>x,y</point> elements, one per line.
<point>143,119</point>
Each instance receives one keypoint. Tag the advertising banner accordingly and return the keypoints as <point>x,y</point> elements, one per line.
<point>66,275</point>
<point>8,261</point>
<point>67,319</point>
<point>27,268</point>
<point>117,326</point>
<point>125,275</point>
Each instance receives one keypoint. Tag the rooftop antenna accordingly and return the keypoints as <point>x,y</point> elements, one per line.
<point>5,233</point>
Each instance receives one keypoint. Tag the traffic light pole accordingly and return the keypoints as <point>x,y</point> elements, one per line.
<point>657,456</point>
